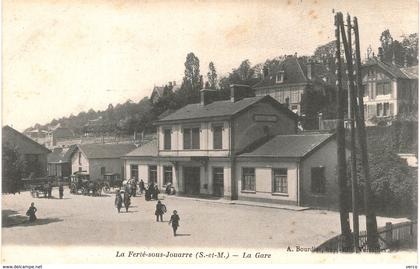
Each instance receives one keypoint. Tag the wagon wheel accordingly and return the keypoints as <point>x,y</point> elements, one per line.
<point>106,188</point>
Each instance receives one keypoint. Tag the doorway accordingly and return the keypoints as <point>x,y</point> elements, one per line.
<point>218,178</point>
<point>192,180</point>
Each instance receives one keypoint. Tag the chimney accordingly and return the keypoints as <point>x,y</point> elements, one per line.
<point>170,84</point>
<point>238,92</point>
<point>265,71</point>
<point>380,54</point>
<point>207,96</point>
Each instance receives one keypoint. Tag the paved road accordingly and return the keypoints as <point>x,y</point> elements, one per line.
<point>91,221</point>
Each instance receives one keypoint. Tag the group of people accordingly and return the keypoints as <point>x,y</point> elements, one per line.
<point>119,200</point>
<point>151,193</point>
<point>49,187</point>
<point>160,210</point>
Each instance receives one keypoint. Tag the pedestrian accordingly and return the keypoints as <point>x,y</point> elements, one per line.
<point>175,221</point>
<point>133,188</point>
<point>157,192</point>
<point>61,191</point>
<point>168,188</point>
<point>160,210</point>
<point>141,185</point>
<point>147,195</point>
<point>49,190</point>
<point>31,213</point>
<point>127,201</point>
<point>118,200</point>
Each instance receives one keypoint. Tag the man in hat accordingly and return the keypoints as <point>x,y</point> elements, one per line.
<point>160,210</point>
<point>175,221</point>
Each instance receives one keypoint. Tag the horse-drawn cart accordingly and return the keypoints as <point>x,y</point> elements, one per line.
<point>80,183</point>
<point>39,187</point>
<point>111,181</point>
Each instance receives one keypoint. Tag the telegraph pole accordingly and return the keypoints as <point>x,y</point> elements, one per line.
<point>351,115</point>
<point>371,224</point>
<point>341,144</point>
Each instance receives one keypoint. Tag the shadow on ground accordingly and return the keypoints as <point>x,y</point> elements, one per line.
<point>12,218</point>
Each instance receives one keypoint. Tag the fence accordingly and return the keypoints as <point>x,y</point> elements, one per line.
<point>391,237</point>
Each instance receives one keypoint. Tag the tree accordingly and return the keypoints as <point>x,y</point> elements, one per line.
<point>313,101</point>
<point>395,51</point>
<point>212,76</point>
<point>245,71</point>
<point>192,78</point>
<point>393,182</point>
<point>12,169</point>
<point>410,44</point>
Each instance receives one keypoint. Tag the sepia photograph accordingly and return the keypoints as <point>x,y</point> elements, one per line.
<point>209,132</point>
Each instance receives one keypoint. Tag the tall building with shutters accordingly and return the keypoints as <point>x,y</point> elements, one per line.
<point>389,90</point>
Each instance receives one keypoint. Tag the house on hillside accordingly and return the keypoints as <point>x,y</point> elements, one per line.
<point>59,161</point>
<point>100,159</point>
<point>244,148</point>
<point>389,90</point>
<point>159,91</point>
<point>291,80</point>
<point>34,155</point>
<point>51,136</point>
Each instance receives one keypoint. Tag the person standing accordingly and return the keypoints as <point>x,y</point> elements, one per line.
<point>156,192</point>
<point>133,187</point>
<point>49,189</point>
<point>118,200</point>
<point>141,185</point>
<point>31,213</point>
<point>160,210</point>
<point>61,191</point>
<point>127,200</point>
<point>174,221</point>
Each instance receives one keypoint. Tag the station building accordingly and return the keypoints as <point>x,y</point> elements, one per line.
<point>244,148</point>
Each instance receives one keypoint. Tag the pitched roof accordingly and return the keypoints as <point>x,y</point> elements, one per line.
<point>159,90</point>
<point>25,144</point>
<point>394,70</point>
<point>293,73</point>
<point>105,151</point>
<point>61,155</point>
<point>411,72</point>
<point>149,149</point>
<point>294,146</point>
<point>225,108</point>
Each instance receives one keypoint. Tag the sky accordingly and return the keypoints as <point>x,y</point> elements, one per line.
<point>64,57</point>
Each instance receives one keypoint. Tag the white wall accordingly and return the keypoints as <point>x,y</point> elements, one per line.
<point>263,180</point>
<point>75,162</point>
<point>206,140</point>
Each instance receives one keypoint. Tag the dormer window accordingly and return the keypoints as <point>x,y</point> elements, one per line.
<point>280,77</point>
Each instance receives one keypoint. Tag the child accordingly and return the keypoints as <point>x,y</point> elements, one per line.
<point>175,221</point>
<point>118,200</point>
<point>31,213</point>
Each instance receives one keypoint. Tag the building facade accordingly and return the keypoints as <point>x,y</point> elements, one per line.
<point>389,90</point>
<point>243,148</point>
<point>100,159</point>
<point>33,154</point>
<point>293,77</point>
<point>59,162</point>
